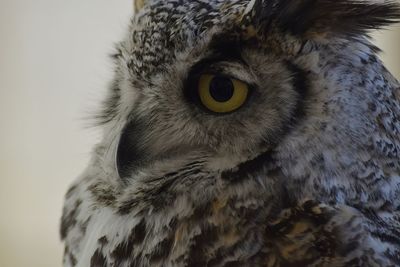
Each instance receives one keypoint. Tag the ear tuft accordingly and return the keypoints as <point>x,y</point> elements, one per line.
<point>343,17</point>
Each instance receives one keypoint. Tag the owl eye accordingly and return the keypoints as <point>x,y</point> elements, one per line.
<point>222,94</point>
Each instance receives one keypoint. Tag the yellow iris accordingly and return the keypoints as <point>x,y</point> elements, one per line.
<point>222,94</point>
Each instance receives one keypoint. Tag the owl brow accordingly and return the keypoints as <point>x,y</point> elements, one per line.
<point>221,48</point>
<point>228,46</point>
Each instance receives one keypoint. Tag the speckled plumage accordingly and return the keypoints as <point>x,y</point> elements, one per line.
<point>306,173</point>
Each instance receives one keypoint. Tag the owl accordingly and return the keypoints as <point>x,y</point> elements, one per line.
<point>244,133</point>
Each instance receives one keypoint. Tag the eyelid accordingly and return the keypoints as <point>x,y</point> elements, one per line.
<point>233,78</point>
<point>231,69</point>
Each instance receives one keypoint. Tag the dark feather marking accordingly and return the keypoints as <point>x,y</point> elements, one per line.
<point>394,256</point>
<point>384,231</point>
<point>251,166</point>
<point>300,84</point>
<point>162,250</point>
<point>71,191</point>
<point>104,194</point>
<point>387,237</point>
<point>84,225</point>
<point>117,54</point>
<point>157,192</point>
<point>190,168</point>
<point>69,219</point>
<point>196,255</point>
<point>70,255</point>
<point>72,259</point>
<point>103,241</point>
<point>223,252</point>
<point>98,259</point>
<point>129,155</point>
<point>124,250</point>
<point>201,211</point>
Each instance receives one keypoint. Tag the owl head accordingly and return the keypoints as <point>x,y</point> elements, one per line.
<point>237,82</point>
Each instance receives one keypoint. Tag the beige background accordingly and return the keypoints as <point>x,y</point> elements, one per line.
<point>53,70</point>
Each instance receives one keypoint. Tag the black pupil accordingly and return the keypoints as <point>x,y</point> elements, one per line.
<point>221,89</point>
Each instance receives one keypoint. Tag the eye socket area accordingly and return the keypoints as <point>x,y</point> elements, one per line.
<point>221,94</point>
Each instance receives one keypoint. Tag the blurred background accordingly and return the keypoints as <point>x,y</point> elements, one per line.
<point>54,68</point>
